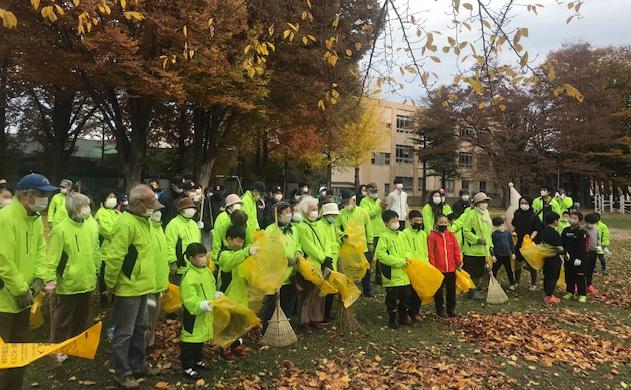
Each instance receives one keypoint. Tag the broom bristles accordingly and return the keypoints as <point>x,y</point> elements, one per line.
<point>495,294</point>
<point>279,332</point>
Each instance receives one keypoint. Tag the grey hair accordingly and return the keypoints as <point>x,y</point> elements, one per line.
<point>305,202</point>
<point>19,194</point>
<point>138,192</point>
<point>74,202</point>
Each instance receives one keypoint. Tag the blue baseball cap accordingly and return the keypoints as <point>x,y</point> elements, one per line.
<point>37,182</point>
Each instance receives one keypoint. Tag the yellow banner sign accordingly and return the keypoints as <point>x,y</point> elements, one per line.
<point>21,354</point>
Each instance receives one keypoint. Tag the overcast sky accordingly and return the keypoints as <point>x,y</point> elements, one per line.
<point>603,23</point>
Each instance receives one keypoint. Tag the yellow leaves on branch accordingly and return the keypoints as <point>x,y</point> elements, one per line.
<point>104,8</point>
<point>166,59</point>
<point>569,90</point>
<point>134,15</point>
<point>35,4</point>
<point>8,18</point>
<point>48,13</point>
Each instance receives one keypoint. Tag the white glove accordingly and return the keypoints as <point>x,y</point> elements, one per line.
<point>205,306</point>
<point>577,262</point>
<point>253,250</point>
<point>151,303</point>
<point>50,287</point>
<point>607,251</point>
<point>200,224</point>
<point>218,294</point>
<point>513,256</point>
<point>599,248</point>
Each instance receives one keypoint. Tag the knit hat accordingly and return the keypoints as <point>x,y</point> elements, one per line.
<point>330,209</point>
<point>185,203</point>
<point>480,197</point>
<point>232,199</point>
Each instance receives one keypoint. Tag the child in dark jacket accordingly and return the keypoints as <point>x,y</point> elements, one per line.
<point>551,265</point>
<point>574,241</point>
<point>444,254</point>
<point>503,250</point>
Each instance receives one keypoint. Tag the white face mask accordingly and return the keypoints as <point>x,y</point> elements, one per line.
<point>501,228</point>
<point>436,200</point>
<point>483,206</point>
<point>189,212</point>
<point>313,215</point>
<point>85,212</point>
<point>39,205</point>
<point>64,190</point>
<point>305,190</point>
<point>524,206</point>
<point>399,186</point>
<point>4,202</point>
<point>110,203</point>
<point>442,199</point>
<point>285,219</point>
<point>364,192</point>
<point>374,195</point>
<point>156,216</point>
<point>297,217</point>
<point>236,206</point>
<point>278,197</point>
<point>544,193</point>
<point>394,226</point>
<point>465,198</point>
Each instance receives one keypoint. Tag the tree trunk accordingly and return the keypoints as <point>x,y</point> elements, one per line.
<point>132,160</point>
<point>4,142</point>
<point>60,147</point>
<point>206,173</point>
<point>356,179</point>
<point>329,171</point>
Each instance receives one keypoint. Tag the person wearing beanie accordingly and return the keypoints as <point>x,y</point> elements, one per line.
<point>180,232</point>
<point>57,209</point>
<point>222,222</point>
<point>332,236</point>
<point>250,204</point>
<point>478,244</point>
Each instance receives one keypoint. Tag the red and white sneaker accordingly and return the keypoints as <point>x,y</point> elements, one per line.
<point>591,289</point>
<point>551,299</point>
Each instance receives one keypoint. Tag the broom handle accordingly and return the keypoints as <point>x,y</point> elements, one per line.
<point>278,306</point>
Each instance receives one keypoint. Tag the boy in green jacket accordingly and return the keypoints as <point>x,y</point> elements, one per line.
<point>197,291</point>
<point>393,253</point>
<point>180,232</point>
<point>603,251</point>
<point>417,241</point>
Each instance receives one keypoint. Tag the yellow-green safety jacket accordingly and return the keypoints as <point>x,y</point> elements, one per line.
<point>197,285</point>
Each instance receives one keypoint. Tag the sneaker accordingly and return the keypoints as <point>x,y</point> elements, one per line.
<point>191,373</point>
<point>582,299</point>
<point>551,299</point>
<point>128,382</point>
<point>568,296</point>
<point>442,314</point>
<point>604,271</point>
<point>591,289</point>
<point>148,371</point>
<point>533,287</point>
<point>240,351</point>
<point>201,366</point>
<point>512,287</point>
<point>227,355</point>
<point>393,325</point>
<point>417,318</point>
<point>452,314</point>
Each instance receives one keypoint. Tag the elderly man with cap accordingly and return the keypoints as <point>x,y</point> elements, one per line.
<point>350,212</point>
<point>57,208</point>
<point>73,261</point>
<point>130,274</point>
<point>22,260</point>
<point>180,232</point>
<point>223,222</point>
<point>161,260</point>
<point>477,245</point>
<point>332,238</point>
<point>250,207</point>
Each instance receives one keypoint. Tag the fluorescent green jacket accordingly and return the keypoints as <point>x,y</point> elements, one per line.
<point>332,236</point>
<point>57,209</point>
<point>374,210</point>
<point>22,253</point>
<point>428,217</point>
<point>362,215</point>
<point>312,241</point>
<point>222,223</point>
<point>563,225</point>
<point>292,246</point>
<point>160,257</point>
<point>457,227</point>
<point>537,206</point>
<point>230,261</point>
<point>475,228</point>
<point>106,218</point>
<point>129,263</point>
<point>198,284</point>
<point>180,232</point>
<point>604,236</point>
<point>417,242</point>
<point>565,204</point>
<point>392,250</point>
<point>249,207</point>
<point>73,257</point>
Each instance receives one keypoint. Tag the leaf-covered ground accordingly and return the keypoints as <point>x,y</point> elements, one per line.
<point>522,344</point>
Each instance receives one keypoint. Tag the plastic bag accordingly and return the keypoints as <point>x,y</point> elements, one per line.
<point>561,281</point>
<point>171,299</point>
<point>231,321</point>
<point>463,282</point>
<point>495,294</point>
<point>267,269</point>
<point>424,278</point>
<point>536,254</point>
<point>36,318</point>
<point>355,233</point>
<point>314,275</point>
<point>352,261</point>
<point>349,292</point>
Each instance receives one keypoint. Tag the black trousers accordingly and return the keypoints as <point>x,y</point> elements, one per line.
<point>190,353</point>
<point>449,284</point>
<point>551,271</point>
<point>287,304</point>
<point>590,266</point>
<point>603,264</point>
<point>398,301</point>
<point>415,303</point>
<point>504,261</point>
<point>475,266</point>
<point>575,278</point>
<point>328,306</point>
<point>14,328</point>
<point>378,281</point>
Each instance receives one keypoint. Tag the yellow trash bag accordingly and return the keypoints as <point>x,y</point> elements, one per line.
<point>231,321</point>
<point>314,275</point>
<point>266,270</point>
<point>463,282</point>
<point>561,281</point>
<point>349,292</point>
<point>536,254</point>
<point>36,318</point>
<point>424,278</point>
<point>352,261</point>
<point>170,301</point>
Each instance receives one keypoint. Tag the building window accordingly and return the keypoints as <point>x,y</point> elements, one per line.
<point>450,185</point>
<point>380,158</point>
<point>465,132</point>
<point>465,159</point>
<point>386,188</point>
<point>407,182</point>
<point>465,185</point>
<point>404,124</point>
<point>404,154</point>
<point>482,186</point>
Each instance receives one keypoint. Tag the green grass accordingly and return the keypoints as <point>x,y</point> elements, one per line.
<point>617,221</point>
<point>379,340</point>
